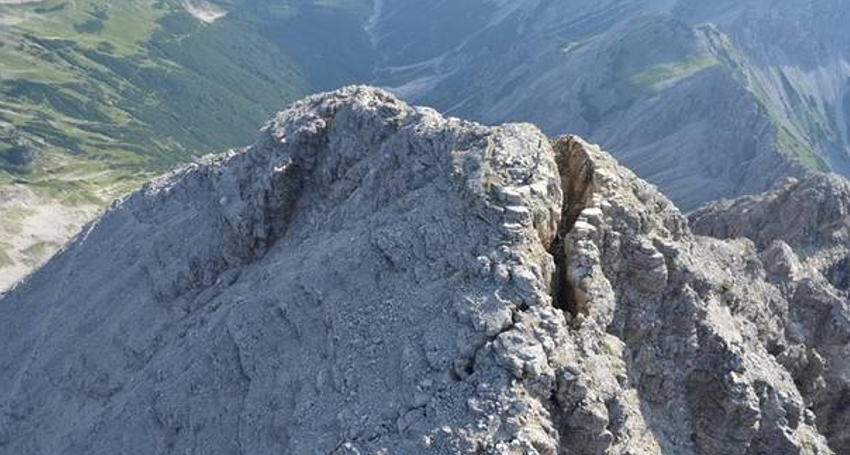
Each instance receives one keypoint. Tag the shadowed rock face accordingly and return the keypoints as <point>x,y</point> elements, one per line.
<point>373,278</point>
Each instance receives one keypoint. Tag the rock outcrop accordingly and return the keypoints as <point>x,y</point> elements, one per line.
<point>374,278</point>
<point>801,230</point>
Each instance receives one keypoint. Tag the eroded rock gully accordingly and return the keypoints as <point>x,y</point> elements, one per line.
<point>374,278</point>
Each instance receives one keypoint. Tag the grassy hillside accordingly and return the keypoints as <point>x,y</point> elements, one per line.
<point>96,95</point>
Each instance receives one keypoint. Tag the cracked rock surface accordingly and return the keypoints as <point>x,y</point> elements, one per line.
<point>374,278</point>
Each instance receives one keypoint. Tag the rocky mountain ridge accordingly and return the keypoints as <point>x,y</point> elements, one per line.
<point>373,278</point>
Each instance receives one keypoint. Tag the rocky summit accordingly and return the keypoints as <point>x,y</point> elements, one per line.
<point>374,278</point>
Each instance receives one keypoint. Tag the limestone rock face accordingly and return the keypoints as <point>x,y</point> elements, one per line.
<point>808,214</point>
<point>374,278</point>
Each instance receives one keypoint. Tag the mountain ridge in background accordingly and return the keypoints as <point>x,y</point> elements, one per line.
<point>705,100</point>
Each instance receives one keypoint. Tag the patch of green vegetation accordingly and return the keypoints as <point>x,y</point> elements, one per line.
<point>661,76</point>
<point>608,348</point>
<point>788,143</point>
<point>126,25</point>
<point>666,54</point>
<point>618,366</point>
<point>791,144</point>
<point>799,150</point>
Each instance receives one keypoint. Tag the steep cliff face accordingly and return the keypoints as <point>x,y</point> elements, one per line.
<point>712,333</point>
<point>375,278</point>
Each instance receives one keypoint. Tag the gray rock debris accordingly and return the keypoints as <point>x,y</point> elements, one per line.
<point>373,278</point>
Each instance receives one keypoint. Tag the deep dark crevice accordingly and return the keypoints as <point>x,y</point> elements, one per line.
<point>561,294</point>
<point>576,170</point>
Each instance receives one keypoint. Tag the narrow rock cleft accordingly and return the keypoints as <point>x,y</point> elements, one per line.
<point>576,171</point>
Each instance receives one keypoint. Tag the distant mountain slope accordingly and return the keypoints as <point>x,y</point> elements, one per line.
<point>705,99</point>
